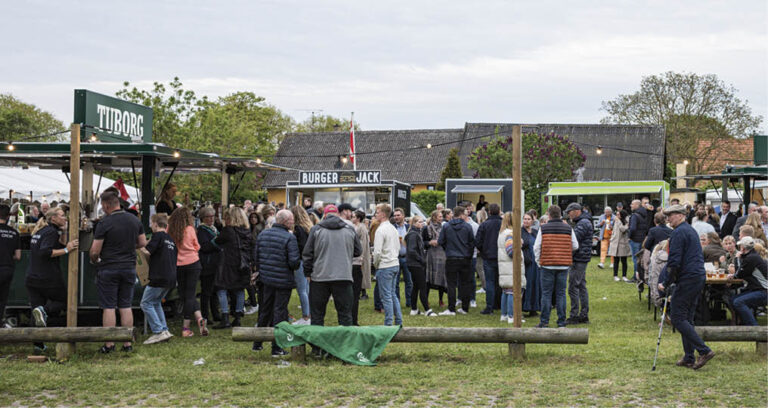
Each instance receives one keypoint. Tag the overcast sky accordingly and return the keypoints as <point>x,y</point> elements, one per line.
<point>396,64</point>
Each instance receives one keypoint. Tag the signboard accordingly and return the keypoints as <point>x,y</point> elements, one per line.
<point>320,178</point>
<point>112,119</point>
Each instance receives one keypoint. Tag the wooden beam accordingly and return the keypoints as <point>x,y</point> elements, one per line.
<point>73,269</point>
<point>733,333</point>
<point>517,233</point>
<point>452,335</point>
<point>224,188</point>
<point>67,334</point>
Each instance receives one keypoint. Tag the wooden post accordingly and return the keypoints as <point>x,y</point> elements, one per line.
<point>517,351</point>
<point>65,350</point>
<point>517,214</point>
<point>299,353</point>
<point>224,188</point>
<point>761,348</point>
<point>67,334</point>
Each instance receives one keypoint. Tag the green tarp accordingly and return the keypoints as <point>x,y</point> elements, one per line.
<point>359,345</point>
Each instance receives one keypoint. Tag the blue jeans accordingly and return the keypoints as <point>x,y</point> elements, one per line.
<point>491,269</point>
<point>386,282</point>
<point>507,304</point>
<point>745,302</point>
<point>302,289</point>
<point>635,248</point>
<point>239,300</point>
<point>152,306</point>
<point>684,301</point>
<point>553,280</point>
<point>406,279</point>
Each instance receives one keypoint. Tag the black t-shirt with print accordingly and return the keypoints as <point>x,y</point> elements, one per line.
<point>45,271</point>
<point>9,243</point>
<point>162,260</point>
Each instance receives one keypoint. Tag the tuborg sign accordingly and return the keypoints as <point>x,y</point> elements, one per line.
<point>340,177</point>
<point>112,119</point>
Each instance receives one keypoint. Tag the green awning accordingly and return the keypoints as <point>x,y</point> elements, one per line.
<point>602,190</point>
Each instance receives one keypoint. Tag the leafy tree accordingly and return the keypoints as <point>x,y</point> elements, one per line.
<point>427,200</point>
<point>546,158</point>
<point>692,108</point>
<point>324,123</point>
<point>20,121</point>
<point>452,169</point>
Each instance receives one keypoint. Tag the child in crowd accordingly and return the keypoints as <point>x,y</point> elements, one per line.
<point>162,278</point>
<point>505,245</point>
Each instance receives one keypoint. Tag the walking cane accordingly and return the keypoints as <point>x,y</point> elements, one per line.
<point>661,327</point>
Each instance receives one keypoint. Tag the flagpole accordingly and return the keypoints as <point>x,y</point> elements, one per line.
<point>352,141</point>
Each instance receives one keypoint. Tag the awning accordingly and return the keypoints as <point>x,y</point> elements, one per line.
<point>600,190</point>
<point>477,189</point>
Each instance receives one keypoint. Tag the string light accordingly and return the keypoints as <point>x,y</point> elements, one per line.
<point>258,160</point>
<point>176,154</point>
<point>686,162</point>
<point>10,147</point>
<point>344,159</point>
<point>599,150</point>
<point>429,145</point>
<point>94,138</point>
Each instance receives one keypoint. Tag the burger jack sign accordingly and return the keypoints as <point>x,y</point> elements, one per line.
<point>340,177</point>
<point>112,119</point>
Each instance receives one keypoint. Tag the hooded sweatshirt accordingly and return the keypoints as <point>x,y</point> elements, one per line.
<point>457,239</point>
<point>329,250</point>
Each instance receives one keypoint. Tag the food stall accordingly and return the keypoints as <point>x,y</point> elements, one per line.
<point>497,191</point>
<point>600,194</point>
<point>360,188</point>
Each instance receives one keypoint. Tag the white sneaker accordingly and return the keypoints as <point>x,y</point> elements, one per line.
<point>624,278</point>
<point>503,318</point>
<point>511,320</point>
<point>447,312</point>
<point>251,310</point>
<point>461,311</point>
<point>302,322</point>
<point>41,318</point>
<point>168,334</point>
<point>481,290</point>
<point>155,338</point>
<point>472,303</point>
<point>415,312</point>
<point>611,266</point>
<point>458,303</point>
<point>601,265</point>
<point>430,313</point>
<point>616,278</point>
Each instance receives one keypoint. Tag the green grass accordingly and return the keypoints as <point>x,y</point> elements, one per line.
<point>614,369</point>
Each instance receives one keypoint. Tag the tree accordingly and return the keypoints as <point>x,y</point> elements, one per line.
<point>324,123</point>
<point>691,107</point>
<point>22,121</point>
<point>452,169</point>
<point>546,158</point>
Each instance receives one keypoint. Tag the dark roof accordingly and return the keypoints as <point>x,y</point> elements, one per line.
<point>417,165</point>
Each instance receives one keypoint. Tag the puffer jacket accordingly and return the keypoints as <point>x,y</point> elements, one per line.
<point>658,261</point>
<point>276,256</point>
<point>584,231</point>
<point>329,250</point>
<point>504,255</point>
<point>415,251</point>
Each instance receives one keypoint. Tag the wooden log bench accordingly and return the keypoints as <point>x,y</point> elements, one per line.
<point>758,334</point>
<point>515,337</point>
<point>67,334</point>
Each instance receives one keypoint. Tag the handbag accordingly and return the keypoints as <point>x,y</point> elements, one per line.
<point>245,258</point>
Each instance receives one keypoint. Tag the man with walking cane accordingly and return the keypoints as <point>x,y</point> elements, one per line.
<point>661,325</point>
<point>685,269</point>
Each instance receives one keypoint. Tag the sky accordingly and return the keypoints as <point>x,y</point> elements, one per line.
<point>396,64</point>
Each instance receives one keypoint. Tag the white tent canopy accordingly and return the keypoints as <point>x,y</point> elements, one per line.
<point>47,185</point>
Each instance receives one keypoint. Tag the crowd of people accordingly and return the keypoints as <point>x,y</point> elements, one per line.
<point>250,258</point>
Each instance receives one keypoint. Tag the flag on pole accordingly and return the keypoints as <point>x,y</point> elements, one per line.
<point>352,141</point>
<point>120,186</point>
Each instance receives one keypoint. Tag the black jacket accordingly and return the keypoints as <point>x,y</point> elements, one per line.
<point>728,224</point>
<point>210,254</point>
<point>457,239</point>
<point>276,256</point>
<point>584,230</point>
<point>754,271</point>
<point>230,276</point>
<point>487,236</point>
<point>639,224</point>
<point>655,235</point>
<point>415,252</point>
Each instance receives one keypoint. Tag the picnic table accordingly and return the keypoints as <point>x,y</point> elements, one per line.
<point>718,290</point>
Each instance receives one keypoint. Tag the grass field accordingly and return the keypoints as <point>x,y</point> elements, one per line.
<point>614,369</point>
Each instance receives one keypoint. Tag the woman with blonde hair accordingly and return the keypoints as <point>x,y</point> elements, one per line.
<point>301,227</point>
<point>416,261</point>
<point>165,203</point>
<point>234,273</point>
<point>755,222</point>
<point>188,268</point>
<point>505,244</point>
<point>45,287</point>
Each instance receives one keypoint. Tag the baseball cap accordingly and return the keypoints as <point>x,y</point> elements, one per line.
<point>746,242</point>
<point>330,208</point>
